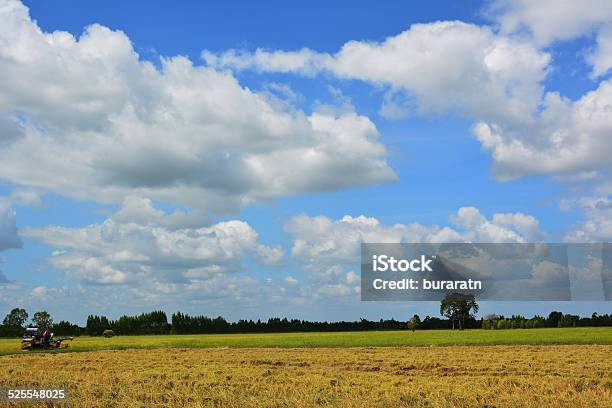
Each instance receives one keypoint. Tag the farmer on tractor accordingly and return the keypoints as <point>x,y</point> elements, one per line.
<point>35,339</point>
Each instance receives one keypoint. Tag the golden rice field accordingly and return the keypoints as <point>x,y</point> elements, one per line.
<point>441,376</point>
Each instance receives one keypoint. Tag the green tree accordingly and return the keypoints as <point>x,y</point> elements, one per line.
<point>16,319</point>
<point>414,322</point>
<point>42,320</point>
<point>457,307</point>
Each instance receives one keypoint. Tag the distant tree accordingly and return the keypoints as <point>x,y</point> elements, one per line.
<point>14,323</point>
<point>489,321</point>
<point>96,325</point>
<point>457,307</point>
<point>568,320</point>
<point>554,319</point>
<point>538,321</point>
<point>16,318</point>
<point>65,328</point>
<point>42,320</point>
<point>414,322</point>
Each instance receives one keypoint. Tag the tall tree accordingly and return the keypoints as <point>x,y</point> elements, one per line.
<point>42,320</point>
<point>457,307</point>
<point>16,318</point>
<point>414,322</point>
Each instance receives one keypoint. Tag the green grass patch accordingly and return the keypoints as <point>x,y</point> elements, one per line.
<point>581,335</point>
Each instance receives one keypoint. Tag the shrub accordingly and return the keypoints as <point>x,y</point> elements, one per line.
<point>108,333</point>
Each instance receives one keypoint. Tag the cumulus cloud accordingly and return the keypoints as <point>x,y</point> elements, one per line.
<point>445,66</point>
<point>121,250</point>
<point>329,250</point>
<point>91,120</point>
<point>597,226</point>
<point>559,20</point>
<point>550,20</point>
<point>493,77</point>
<point>317,238</point>
<point>568,137</point>
<point>322,241</point>
<point>601,57</point>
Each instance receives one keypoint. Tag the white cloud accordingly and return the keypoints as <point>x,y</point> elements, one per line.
<point>352,278</point>
<point>445,66</point>
<point>566,138</point>
<point>304,61</point>
<point>503,227</point>
<point>547,21</point>
<point>335,290</point>
<point>495,78</point>
<point>290,280</point>
<point>597,226</point>
<point>320,237</point>
<point>601,57</point>
<point>121,250</point>
<point>322,244</point>
<point>39,292</point>
<point>550,20</point>
<point>91,120</point>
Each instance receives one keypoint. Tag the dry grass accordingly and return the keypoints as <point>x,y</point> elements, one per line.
<point>460,376</point>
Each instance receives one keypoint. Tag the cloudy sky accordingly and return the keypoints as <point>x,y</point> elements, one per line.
<point>230,158</point>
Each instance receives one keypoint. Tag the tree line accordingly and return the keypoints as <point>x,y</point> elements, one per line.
<point>156,322</point>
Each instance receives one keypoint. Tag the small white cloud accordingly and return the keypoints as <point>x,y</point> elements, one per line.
<point>352,278</point>
<point>270,255</point>
<point>550,20</point>
<point>290,280</point>
<point>39,292</point>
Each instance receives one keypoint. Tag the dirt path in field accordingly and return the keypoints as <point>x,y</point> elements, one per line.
<point>535,376</point>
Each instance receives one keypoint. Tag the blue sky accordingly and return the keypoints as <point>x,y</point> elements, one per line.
<point>204,157</point>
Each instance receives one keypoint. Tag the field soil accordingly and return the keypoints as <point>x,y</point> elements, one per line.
<point>443,376</point>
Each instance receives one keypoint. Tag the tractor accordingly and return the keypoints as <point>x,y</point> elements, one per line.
<point>35,339</point>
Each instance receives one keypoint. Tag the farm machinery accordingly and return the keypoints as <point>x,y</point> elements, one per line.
<point>35,339</point>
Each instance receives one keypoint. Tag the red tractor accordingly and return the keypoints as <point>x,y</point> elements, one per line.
<point>35,339</point>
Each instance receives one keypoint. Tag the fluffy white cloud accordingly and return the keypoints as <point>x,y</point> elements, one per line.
<point>328,249</point>
<point>121,250</point>
<point>503,227</point>
<point>546,21</point>
<point>493,78</point>
<point>550,20</point>
<point>597,226</point>
<point>444,66</point>
<point>601,57</point>
<point>566,138</point>
<point>90,120</point>
<point>322,241</point>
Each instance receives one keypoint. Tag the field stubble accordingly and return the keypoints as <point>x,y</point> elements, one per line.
<point>533,376</point>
